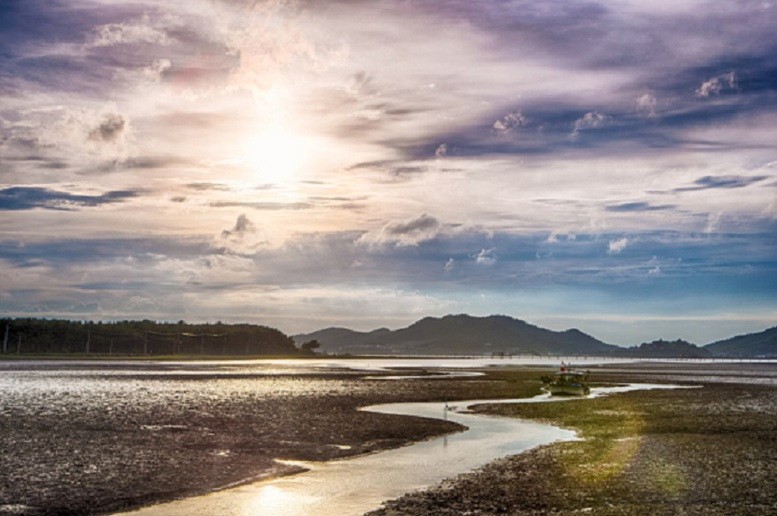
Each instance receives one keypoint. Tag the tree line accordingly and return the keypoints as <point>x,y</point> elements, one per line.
<point>56,336</point>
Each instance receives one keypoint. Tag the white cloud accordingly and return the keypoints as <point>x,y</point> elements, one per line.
<point>591,120</point>
<point>556,236</point>
<point>714,85</point>
<point>616,246</point>
<point>646,105</point>
<point>441,151</point>
<point>510,121</point>
<point>127,33</point>
<point>449,265</point>
<point>713,222</point>
<point>486,257</point>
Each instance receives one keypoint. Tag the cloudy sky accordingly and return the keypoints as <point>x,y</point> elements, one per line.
<point>606,165</point>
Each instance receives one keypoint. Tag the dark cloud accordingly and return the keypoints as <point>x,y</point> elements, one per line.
<point>68,252</point>
<point>242,227</point>
<point>150,162</point>
<point>28,198</point>
<point>721,182</point>
<point>269,206</point>
<point>422,223</point>
<point>110,129</point>
<point>639,206</point>
<point>397,168</point>
<point>205,187</point>
<point>404,233</point>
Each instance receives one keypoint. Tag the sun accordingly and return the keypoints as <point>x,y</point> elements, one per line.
<point>276,156</point>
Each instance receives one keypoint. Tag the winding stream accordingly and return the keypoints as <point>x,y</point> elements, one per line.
<point>359,484</point>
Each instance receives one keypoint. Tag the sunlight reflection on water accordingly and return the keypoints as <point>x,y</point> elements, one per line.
<point>359,484</point>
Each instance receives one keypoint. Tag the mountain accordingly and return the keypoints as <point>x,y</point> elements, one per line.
<point>667,349</point>
<point>763,344</point>
<point>460,334</point>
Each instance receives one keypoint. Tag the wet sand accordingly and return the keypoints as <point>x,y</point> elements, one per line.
<point>97,441</point>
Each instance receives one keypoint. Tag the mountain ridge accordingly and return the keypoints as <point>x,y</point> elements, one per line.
<point>762,344</point>
<point>459,334</point>
<point>502,334</point>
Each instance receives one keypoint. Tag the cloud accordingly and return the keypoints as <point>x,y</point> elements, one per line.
<point>486,257</point>
<point>112,34</point>
<point>556,236</point>
<point>509,122</point>
<point>646,105</point>
<point>616,246</point>
<point>156,71</point>
<point>441,151</point>
<point>713,222</point>
<point>110,129</point>
<point>205,187</point>
<point>715,85</point>
<point>639,206</point>
<point>242,227</point>
<point>404,233</point>
<point>243,238</point>
<point>449,265</point>
<point>721,182</point>
<point>591,120</point>
<point>28,198</point>
<point>265,206</point>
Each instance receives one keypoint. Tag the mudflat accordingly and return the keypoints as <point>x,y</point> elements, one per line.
<point>97,438</point>
<point>102,437</point>
<point>711,449</point>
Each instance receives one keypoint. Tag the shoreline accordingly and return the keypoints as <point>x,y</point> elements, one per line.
<point>696,451</point>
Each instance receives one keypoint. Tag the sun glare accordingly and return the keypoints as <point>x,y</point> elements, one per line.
<point>276,156</point>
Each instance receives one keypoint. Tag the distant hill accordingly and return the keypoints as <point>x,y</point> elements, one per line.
<point>667,349</point>
<point>460,334</point>
<point>763,344</point>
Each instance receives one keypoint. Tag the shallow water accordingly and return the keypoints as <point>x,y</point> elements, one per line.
<point>360,484</point>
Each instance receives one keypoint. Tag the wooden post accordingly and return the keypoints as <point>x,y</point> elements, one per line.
<point>19,344</point>
<point>110,348</point>
<point>5,339</point>
<point>202,343</point>
<point>145,344</point>
<point>224,345</point>
<point>88,339</point>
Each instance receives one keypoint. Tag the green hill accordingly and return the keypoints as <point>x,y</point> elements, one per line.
<point>753,345</point>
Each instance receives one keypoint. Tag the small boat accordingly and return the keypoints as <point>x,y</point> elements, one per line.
<point>567,382</point>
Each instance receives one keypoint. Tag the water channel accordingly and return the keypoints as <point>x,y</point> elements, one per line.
<point>359,484</point>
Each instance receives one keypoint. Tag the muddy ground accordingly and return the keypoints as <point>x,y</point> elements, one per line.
<point>707,450</point>
<point>96,438</point>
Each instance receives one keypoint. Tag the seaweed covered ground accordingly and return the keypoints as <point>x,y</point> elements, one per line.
<point>100,437</point>
<point>705,450</point>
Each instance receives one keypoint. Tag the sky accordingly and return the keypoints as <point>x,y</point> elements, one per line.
<point>604,165</point>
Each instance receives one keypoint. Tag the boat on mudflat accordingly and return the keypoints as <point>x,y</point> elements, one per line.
<point>567,382</point>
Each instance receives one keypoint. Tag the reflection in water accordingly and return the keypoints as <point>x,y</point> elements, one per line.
<point>357,485</point>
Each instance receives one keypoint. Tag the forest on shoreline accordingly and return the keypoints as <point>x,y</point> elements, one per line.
<point>26,336</point>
